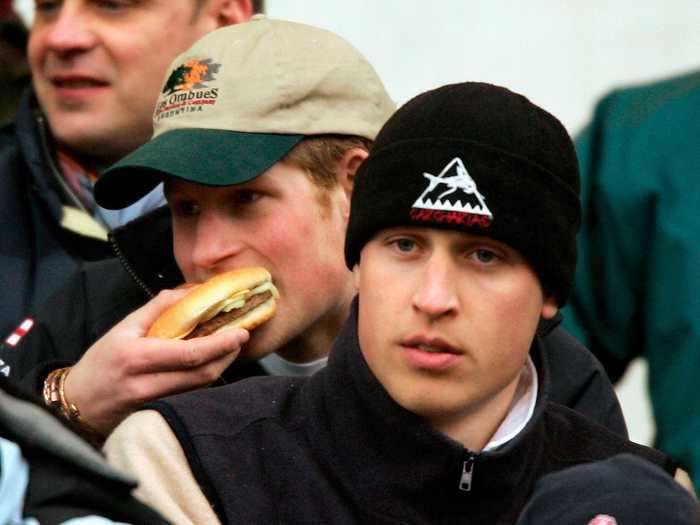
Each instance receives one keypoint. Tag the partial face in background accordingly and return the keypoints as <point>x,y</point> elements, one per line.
<point>279,220</point>
<point>446,320</point>
<point>98,65</point>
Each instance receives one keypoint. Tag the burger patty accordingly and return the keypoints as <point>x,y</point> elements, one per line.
<point>223,318</point>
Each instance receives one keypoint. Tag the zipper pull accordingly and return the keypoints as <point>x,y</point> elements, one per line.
<point>465,482</point>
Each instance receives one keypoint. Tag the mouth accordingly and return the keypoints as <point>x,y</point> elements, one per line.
<point>431,349</point>
<point>430,353</point>
<point>431,345</point>
<point>76,82</point>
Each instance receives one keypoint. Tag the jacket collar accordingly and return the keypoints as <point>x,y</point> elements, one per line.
<point>35,144</point>
<point>145,248</point>
<point>414,469</point>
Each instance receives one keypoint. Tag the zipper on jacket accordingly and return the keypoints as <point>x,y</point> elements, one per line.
<point>465,481</point>
<point>122,259</point>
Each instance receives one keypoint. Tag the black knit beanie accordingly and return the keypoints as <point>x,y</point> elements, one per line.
<point>478,158</point>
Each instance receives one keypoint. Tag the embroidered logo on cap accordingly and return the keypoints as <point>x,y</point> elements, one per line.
<point>191,75</point>
<point>603,519</point>
<point>186,89</point>
<point>452,197</point>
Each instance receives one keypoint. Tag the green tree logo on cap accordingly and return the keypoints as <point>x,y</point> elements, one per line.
<point>191,75</point>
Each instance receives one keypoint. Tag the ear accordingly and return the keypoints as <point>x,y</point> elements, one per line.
<point>549,307</point>
<point>230,12</point>
<point>356,276</point>
<point>347,168</point>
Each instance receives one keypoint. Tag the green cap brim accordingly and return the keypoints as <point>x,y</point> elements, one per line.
<point>203,156</point>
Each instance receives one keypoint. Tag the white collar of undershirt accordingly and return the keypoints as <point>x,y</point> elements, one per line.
<point>278,366</point>
<point>521,409</point>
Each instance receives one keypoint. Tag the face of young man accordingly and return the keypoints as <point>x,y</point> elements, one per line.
<point>446,320</point>
<point>97,66</point>
<point>282,221</point>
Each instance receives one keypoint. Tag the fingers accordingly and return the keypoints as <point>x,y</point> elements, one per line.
<point>165,355</point>
<point>684,481</point>
<point>173,382</point>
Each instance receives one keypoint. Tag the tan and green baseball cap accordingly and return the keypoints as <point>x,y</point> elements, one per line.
<point>241,98</point>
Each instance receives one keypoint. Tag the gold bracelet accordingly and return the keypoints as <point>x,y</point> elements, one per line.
<point>52,397</point>
<point>55,398</point>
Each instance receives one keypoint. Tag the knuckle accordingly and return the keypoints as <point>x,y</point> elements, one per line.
<point>165,295</point>
<point>138,392</point>
<point>131,363</point>
<point>209,374</point>
<point>191,357</point>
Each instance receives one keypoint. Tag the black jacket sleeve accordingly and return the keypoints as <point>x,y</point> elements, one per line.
<point>95,298</point>
<point>578,380</point>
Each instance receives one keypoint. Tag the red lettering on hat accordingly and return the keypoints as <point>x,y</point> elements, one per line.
<point>603,519</point>
<point>22,330</point>
<point>449,217</point>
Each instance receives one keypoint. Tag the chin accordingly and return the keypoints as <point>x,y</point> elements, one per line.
<point>428,401</point>
<point>261,343</point>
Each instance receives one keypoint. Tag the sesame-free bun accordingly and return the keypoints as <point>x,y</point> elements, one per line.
<point>206,300</point>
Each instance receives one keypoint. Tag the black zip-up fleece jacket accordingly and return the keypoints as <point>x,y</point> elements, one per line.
<point>101,294</point>
<point>336,449</point>
<point>37,255</point>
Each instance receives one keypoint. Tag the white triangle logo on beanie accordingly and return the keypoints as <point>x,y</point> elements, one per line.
<point>453,190</point>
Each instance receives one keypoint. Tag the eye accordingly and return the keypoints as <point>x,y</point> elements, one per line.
<point>46,6</point>
<point>243,197</point>
<point>184,208</point>
<point>403,244</point>
<point>112,5</point>
<point>484,256</point>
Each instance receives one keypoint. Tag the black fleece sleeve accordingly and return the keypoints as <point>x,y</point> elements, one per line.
<point>578,381</point>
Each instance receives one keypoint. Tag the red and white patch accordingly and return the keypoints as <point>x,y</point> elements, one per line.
<point>22,330</point>
<point>603,519</point>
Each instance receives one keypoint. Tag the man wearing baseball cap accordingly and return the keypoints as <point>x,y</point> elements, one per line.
<point>259,131</point>
<point>435,404</point>
<point>257,135</point>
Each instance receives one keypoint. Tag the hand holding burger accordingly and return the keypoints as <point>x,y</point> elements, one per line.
<point>124,369</point>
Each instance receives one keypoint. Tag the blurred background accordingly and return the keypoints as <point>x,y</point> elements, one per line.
<point>563,55</point>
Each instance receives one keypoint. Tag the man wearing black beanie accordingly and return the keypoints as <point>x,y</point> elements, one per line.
<point>435,403</point>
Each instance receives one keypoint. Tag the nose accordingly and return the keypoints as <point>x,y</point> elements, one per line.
<point>216,242</point>
<point>70,31</point>
<point>436,293</point>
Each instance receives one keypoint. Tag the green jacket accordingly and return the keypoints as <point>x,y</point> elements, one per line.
<point>638,278</point>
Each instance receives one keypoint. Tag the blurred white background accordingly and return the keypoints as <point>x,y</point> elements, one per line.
<point>563,55</point>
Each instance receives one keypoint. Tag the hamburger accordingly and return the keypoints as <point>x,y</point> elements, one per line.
<point>243,298</point>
